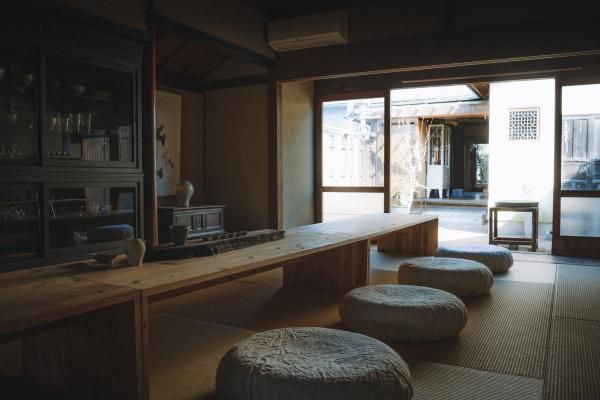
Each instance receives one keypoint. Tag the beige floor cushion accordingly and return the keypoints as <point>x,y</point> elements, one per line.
<point>496,258</point>
<point>312,363</point>
<point>403,313</point>
<point>455,275</point>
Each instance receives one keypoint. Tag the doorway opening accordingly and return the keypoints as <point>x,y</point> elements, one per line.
<point>453,151</point>
<point>456,150</point>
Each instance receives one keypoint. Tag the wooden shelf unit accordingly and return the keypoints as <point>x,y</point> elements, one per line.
<point>44,54</point>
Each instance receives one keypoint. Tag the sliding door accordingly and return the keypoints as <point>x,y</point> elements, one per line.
<point>577,228</point>
<point>351,157</point>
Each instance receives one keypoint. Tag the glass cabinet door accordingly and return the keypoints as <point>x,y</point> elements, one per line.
<point>18,93</point>
<point>91,215</point>
<point>89,112</point>
<point>19,222</point>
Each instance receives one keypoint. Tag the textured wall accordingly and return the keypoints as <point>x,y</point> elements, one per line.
<point>192,143</point>
<point>126,12</point>
<point>297,153</point>
<point>236,155</point>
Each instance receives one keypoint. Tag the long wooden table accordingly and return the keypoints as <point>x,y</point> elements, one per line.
<point>88,330</point>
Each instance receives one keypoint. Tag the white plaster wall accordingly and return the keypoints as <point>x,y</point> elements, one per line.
<point>522,170</point>
<point>581,99</point>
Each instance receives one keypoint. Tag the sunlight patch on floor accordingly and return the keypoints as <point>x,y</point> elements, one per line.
<point>446,234</point>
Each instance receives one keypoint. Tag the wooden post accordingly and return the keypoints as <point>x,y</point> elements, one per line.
<point>387,158</point>
<point>340,269</point>
<point>275,157</point>
<point>149,142</point>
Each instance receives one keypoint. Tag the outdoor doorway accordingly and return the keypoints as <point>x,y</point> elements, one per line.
<point>456,150</point>
<point>450,150</point>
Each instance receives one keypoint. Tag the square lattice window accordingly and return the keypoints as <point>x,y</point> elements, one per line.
<point>523,124</point>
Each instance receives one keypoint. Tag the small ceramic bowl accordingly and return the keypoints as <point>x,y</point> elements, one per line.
<point>104,94</point>
<point>77,89</point>
<point>179,234</point>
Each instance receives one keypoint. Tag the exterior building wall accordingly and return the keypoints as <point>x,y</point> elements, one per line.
<point>522,169</point>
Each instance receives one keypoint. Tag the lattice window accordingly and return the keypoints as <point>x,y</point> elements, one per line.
<point>523,124</point>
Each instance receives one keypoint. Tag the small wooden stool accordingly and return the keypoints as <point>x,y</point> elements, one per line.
<point>515,206</point>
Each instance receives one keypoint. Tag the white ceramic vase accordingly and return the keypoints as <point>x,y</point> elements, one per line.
<point>136,248</point>
<point>184,191</point>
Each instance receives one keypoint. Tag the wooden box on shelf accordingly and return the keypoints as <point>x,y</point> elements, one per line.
<point>202,220</point>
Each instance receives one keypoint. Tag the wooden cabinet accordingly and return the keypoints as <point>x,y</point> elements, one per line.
<point>202,220</point>
<point>70,129</point>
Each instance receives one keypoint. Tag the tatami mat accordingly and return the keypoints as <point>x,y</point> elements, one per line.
<point>549,258</point>
<point>506,332</point>
<point>184,355</point>
<point>574,360</point>
<point>523,271</point>
<point>577,292</point>
<point>433,381</point>
<point>527,271</point>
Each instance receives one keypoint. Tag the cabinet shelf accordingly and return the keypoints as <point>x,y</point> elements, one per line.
<point>76,216</point>
<point>76,96</point>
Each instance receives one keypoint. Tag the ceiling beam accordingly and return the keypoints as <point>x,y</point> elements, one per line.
<point>205,39</point>
<point>236,82</point>
<point>196,85</point>
<point>440,51</point>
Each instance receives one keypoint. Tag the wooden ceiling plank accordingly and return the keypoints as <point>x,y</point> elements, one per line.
<point>201,55</point>
<point>178,50</point>
<point>209,67</point>
<point>208,40</point>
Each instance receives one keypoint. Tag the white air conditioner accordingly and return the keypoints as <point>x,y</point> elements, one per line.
<point>309,31</point>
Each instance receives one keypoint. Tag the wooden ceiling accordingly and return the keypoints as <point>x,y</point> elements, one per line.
<point>181,56</point>
<point>276,9</point>
<point>482,89</point>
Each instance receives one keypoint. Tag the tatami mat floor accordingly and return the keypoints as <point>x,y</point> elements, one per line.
<point>536,336</point>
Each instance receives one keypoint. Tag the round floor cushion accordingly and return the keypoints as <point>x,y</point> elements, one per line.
<point>496,258</point>
<point>312,363</point>
<point>403,313</point>
<point>455,275</point>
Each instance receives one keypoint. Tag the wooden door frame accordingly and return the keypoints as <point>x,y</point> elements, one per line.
<point>575,69</point>
<point>577,246</point>
<point>319,189</point>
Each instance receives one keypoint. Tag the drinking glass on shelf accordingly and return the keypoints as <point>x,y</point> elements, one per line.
<point>58,127</point>
<point>77,123</point>
<point>68,123</point>
<point>87,123</point>
<point>51,122</point>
